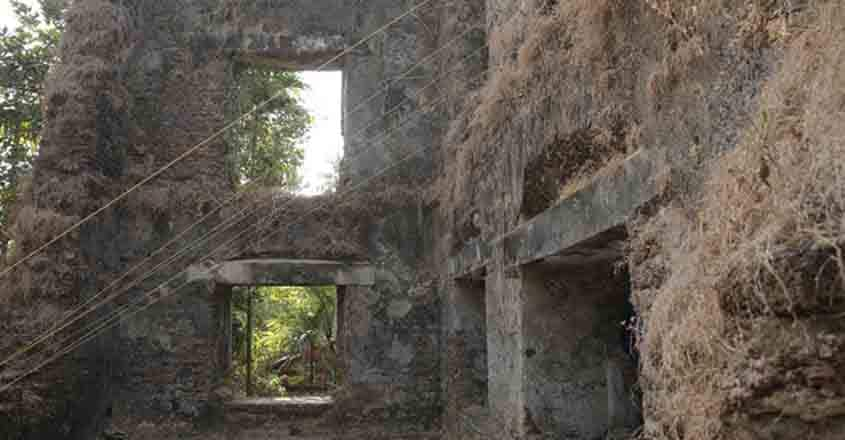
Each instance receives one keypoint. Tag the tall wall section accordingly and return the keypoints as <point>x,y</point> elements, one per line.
<point>387,156</point>
<point>646,122</point>
<point>129,95</point>
<point>138,84</point>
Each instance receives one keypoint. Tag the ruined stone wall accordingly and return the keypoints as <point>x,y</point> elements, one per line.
<point>121,110</point>
<point>386,123</point>
<point>589,108</point>
<point>575,118</point>
<point>129,95</point>
<point>575,86</point>
<point>579,368</point>
<point>179,97</point>
<point>465,365</point>
<point>580,93</point>
<point>388,134</point>
<point>460,67</point>
<point>718,273</point>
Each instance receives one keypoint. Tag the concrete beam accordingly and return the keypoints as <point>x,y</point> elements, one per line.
<point>607,246</point>
<point>280,272</point>
<point>279,50</point>
<point>470,260</point>
<point>592,216</point>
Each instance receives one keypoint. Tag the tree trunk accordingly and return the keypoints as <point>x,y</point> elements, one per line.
<point>249,330</point>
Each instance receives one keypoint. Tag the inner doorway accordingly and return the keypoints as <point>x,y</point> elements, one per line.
<point>284,341</point>
<point>264,278</point>
<point>235,279</point>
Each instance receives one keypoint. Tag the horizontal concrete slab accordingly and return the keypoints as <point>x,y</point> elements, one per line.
<point>608,202</point>
<point>284,408</point>
<point>471,260</point>
<point>277,49</point>
<point>282,272</point>
<point>607,246</point>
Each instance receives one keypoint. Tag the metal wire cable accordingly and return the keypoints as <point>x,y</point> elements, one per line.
<point>201,241</point>
<point>263,104</point>
<point>150,299</point>
<point>122,315</point>
<point>411,69</point>
<point>202,144</point>
<point>58,327</point>
<point>359,133</point>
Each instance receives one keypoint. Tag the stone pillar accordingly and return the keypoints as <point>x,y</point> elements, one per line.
<point>223,318</point>
<point>466,370</point>
<point>505,354</point>
<point>340,330</point>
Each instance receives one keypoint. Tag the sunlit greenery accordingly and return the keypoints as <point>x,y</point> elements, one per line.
<point>288,321</point>
<point>267,141</point>
<point>26,54</point>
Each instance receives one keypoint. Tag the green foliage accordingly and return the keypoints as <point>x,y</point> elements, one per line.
<point>26,54</point>
<point>267,143</point>
<point>287,320</point>
<point>264,144</point>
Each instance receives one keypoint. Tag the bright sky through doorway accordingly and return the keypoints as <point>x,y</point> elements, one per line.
<point>324,145</point>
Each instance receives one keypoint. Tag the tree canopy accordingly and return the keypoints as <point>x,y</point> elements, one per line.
<point>26,54</point>
<point>265,144</point>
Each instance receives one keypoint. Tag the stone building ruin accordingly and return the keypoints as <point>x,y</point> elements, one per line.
<point>525,255</point>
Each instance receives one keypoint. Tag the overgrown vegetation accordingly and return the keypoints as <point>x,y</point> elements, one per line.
<point>293,340</point>
<point>741,289</point>
<point>26,54</point>
<point>267,142</point>
<point>542,56</point>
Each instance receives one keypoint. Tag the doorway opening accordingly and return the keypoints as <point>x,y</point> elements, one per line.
<point>580,361</point>
<point>470,342</point>
<point>298,348</point>
<point>284,341</point>
<point>323,145</point>
<point>289,130</point>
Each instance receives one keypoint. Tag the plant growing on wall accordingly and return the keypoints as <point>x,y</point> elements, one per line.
<point>267,143</point>
<point>26,54</point>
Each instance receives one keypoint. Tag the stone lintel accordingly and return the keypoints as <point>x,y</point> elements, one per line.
<point>590,223</point>
<point>282,272</point>
<point>605,247</point>
<point>470,260</point>
<point>279,50</point>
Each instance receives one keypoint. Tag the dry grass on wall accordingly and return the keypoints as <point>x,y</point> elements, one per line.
<point>98,28</point>
<point>328,226</point>
<point>742,293</point>
<point>590,82</point>
<point>540,97</point>
<point>65,186</point>
<point>59,193</point>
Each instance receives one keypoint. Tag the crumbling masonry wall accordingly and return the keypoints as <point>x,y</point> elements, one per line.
<point>676,121</point>
<point>128,96</point>
<point>139,83</point>
<point>622,215</point>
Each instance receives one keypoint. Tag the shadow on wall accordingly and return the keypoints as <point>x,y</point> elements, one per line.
<point>580,371</point>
